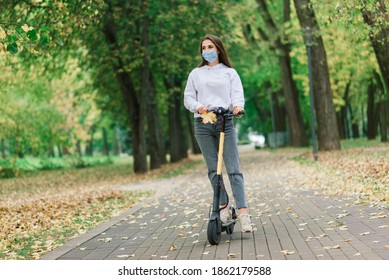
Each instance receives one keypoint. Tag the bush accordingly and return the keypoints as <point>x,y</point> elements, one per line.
<point>8,168</point>
<point>79,162</point>
<point>49,164</point>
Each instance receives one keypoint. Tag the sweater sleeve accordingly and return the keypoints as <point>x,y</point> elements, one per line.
<point>237,95</point>
<point>190,95</point>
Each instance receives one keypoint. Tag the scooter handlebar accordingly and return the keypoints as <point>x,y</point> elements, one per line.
<point>226,112</point>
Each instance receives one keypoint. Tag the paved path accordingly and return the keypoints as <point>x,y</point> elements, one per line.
<point>291,221</point>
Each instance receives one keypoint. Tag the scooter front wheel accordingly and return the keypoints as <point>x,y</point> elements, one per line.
<point>214,232</point>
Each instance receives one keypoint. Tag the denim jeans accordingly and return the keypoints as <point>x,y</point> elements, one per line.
<point>207,136</point>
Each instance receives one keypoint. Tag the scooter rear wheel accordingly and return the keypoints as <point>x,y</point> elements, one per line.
<point>213,232</point>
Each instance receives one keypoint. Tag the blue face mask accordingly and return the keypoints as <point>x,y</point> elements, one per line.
<point>210,56</point>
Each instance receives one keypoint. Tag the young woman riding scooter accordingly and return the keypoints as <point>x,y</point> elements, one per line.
<point>215,84</point>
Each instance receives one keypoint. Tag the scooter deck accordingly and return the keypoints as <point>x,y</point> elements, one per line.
<point>228,223</point>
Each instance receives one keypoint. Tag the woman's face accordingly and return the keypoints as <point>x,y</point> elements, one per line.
<point>208,45</point>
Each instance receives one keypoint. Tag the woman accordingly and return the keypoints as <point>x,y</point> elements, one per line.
<point>214,83</point>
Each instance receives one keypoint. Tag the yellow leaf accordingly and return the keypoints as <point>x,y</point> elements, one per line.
<point>231,256</point>
<point>208,117</point>
<point>173,247</point>
<point>2,33</point>
<point>287,252</point>
<point>331,247</point>
<point>26,28</point>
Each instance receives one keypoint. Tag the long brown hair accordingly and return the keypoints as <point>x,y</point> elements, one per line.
<point>223,56</point>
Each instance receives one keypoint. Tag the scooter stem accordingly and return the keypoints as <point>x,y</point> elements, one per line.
<point>220,154</point>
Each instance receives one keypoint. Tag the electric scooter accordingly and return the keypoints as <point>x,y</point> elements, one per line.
<point>215,225</point>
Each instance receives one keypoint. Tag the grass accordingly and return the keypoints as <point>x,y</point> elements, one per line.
<point>360,169</point>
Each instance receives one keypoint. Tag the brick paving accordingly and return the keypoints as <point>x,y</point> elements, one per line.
<point>291,221</point>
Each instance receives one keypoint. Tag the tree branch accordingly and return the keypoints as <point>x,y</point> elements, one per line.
<point>264,11</point>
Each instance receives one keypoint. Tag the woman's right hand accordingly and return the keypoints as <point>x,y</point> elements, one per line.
<point>202,110</point>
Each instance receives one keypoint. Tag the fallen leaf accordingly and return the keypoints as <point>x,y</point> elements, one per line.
<point>287,252</point>
<point>383,226</point>
<point>173,247</point>
<point>365,233</point>
<point>331,247</point>
<point>231,256</point>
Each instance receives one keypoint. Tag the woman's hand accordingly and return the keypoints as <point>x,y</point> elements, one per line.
<point>237,110</point>
<point>202,110</point>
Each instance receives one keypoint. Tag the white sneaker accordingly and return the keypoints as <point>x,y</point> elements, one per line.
<point>225,214</point>
<point>245,223</point>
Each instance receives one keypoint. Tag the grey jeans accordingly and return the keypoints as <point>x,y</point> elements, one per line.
<point>207,136</point>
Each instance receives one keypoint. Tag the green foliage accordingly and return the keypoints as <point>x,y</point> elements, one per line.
<point>49,164</point>
<point>8,168</point>
<point>59,81</point>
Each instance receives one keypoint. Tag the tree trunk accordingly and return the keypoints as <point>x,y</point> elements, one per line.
<point>372,115</point>
<point>383,129</point>
<point>195,147</point>
<point>155,160</point>
<point>89,147</point>
<point>354,125</point>
<point>339,119</point>
<point>117,144</point>
<point>297,132</point>
<point>3,148</point>
<point>19,149</point>
<point>78,147</point>
<point>381,108</point>
<point>328,134</point>
<point>178,149</point>
<point>379,34</point>
<point>105,142</point>
<point>279,113</point>
<point>135,104</point>
<point>344,130</point>
<point>156,144</point>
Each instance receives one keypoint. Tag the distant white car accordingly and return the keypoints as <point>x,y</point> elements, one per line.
<point>258,140</point>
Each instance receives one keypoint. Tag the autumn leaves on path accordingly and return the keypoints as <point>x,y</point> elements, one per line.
<point>292,219</point>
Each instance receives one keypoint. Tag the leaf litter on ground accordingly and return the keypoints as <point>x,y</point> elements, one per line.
<point>41,211</point>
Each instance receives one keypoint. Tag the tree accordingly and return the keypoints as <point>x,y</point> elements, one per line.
<point>375,15</point>
<point>281,49</point>
<point>328,134</point>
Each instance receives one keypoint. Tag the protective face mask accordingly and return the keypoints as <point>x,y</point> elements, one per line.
<point>210,56</point>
